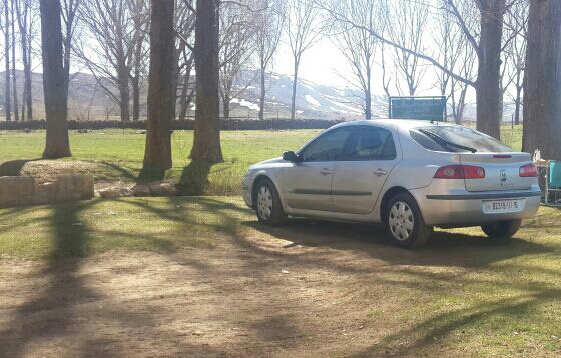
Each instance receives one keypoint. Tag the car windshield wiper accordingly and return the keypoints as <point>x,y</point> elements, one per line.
<point>445,142</point>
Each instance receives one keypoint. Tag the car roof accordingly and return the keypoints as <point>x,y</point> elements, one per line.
<point>394,123</point>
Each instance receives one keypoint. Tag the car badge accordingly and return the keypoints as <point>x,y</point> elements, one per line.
<point>503,175</point>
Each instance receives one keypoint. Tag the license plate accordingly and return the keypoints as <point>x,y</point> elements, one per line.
<point>502,206</point>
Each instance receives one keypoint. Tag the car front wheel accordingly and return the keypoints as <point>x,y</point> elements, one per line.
<point>268,206</point>
<point>404,222</point>
<point>501,229</point>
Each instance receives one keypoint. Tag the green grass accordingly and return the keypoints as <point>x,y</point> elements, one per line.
<point>89,227</point>
<point>118,154</point>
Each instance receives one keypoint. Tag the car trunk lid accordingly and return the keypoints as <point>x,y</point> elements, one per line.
<point>502,171</point>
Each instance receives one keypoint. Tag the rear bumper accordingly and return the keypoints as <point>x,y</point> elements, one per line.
<point>466,209</point>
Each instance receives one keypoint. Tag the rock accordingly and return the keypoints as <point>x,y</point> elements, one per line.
<point>46,193</point>
<point>140,190</point>
<point>162,189</point>
<point>110,193</point>
<point>16,191</point>
<point>125,192</point>
<point>75,187</point>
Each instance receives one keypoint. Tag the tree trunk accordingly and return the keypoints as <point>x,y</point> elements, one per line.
<point>135,95</point>
<point>518,103</point>
<point>25,32</point>
<point>206,140</point>
<point>225,107</point>
<point>183,105</point>
<point>489,74</point>
<point>56,100</point>
<point>161,95</point>
<point>7,96</point>
<point>14,78</point>
<point>294,87</point>
<point>368,95</point>
<point>124,93</point>
<point>185,100</point>
<point>261,93</point>
<point>542,92</point>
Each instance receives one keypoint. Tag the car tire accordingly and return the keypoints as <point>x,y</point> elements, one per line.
<point>404,222</point>
<point>501,230</point>
<point>268,206</point>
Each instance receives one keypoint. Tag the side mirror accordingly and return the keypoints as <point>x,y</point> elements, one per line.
<point>290,156</point>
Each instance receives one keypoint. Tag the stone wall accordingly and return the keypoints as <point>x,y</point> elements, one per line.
<point>23,191</point>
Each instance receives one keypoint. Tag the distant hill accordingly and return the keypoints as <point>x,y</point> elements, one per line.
<point>87,100</point>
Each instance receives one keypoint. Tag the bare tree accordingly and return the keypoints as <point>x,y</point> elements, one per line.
<point>69,20</point>
<point>358,46</point>
<point>7,95</point>
<point>184,26</point>
<point>140,10</point>
<point>161,96</point>
<point>455,53</point>
<point>487,43</point>
<point>408,24</point>
<point>108,50</point>
<point>269,22</point>
<point>303,30</point>
<point>14,77</point>
<point>542,93</point>
<point>56,99</point>
<point>26,18</point>
<point>206,139</point>
<point>516,22</point>
<point>236,49</point>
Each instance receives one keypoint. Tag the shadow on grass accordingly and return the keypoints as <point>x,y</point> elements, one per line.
<point>61,293</point>
<point>427,336</point>
<point>51,318</point>
<point>444,248</point>
<point>13,168</point>
<point>194,178</point>
<point>123,172</point>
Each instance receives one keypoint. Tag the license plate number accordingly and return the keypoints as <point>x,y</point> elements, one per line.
<point>502,206</point>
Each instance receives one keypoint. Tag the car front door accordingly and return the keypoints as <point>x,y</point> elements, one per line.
<point>307,183</point>
<point>359,177</point>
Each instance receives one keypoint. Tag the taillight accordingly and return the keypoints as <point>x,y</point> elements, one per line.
<point>460,172</point>
<point>529,170</point>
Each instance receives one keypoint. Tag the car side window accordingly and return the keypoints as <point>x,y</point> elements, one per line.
<point>327,147</point>
<point>371,143</point>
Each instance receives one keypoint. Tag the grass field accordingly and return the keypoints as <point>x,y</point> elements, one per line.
<point>116,155</point>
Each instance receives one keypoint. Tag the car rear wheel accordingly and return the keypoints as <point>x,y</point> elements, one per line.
<point>404,222</point>
<point>268,206</point>
<point>501,229</point>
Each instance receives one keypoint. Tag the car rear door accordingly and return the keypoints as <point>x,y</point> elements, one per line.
<point>307,183</point>
<point>361,174</point>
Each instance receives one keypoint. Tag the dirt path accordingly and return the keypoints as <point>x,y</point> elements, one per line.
<point>255,296</point>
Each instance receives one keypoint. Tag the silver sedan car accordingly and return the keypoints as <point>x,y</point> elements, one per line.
<point>408,175</point>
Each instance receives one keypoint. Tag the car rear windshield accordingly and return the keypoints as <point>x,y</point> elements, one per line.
<point>456,139</point>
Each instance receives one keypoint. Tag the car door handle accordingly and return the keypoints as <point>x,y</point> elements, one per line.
<point>380,172</point>
<point>326,171</point>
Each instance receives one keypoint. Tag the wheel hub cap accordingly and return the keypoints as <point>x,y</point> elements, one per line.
<point>401,221</point>
<point>264,203</point>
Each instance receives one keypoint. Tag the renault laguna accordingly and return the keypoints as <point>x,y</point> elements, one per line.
<point>408,175</point>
